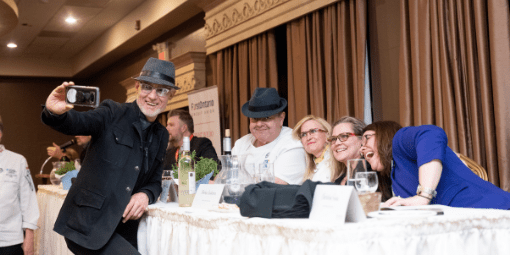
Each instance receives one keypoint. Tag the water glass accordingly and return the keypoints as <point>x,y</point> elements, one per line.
<point>265,172</point>
<point>355,166</point>
<point>251,169</point>
<point>366,182</point>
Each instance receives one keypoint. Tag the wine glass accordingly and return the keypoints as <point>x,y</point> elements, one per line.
<point>366,182</point>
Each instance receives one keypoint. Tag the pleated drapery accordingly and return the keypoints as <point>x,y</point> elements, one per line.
<point>326,62</point>
<point>454,72</point>
<point>239,70</point>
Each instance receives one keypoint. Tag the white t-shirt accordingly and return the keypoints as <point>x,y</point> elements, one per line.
<point>323,173</point>
<point>286,154</point>
<point>18,201</point>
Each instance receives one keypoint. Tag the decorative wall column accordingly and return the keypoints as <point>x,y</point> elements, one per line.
<point>162,49</point>
<point>129,85</point>
<point>189,76</point>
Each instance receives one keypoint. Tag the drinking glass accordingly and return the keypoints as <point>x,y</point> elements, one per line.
<point>265,172</point>
<point>366,182</point>
<point>355,166</point>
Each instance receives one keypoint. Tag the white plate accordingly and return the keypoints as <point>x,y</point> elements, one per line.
<point>402,214</point>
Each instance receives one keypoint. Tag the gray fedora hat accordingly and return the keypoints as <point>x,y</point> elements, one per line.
<point>159,72</point>
<point>264,102</point>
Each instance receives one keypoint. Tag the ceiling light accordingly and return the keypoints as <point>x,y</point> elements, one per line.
<point>70,20</point>
<point>12,45</point>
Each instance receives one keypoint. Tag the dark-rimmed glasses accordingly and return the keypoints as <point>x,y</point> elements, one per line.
<point>342,137</point>
<point>365,138</point>
<point>148,88</point>
<point>311,132</point>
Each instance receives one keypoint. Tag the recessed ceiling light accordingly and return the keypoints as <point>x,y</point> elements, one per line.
<point>70,20</point>
<point>12,45</point>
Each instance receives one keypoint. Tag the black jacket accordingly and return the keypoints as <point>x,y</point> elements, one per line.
<point>114,162</point>
<point>271,200</point>
<point>201,145</point>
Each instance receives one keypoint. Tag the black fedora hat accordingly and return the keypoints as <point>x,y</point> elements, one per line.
<point>264,102</point>
<point>159,72</point>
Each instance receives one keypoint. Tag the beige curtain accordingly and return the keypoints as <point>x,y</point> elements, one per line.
<point>326,62</point>
<point>454,73</point>
<point>238,70</point>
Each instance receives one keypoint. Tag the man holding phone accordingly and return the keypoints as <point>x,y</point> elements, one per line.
<point>121,174</point>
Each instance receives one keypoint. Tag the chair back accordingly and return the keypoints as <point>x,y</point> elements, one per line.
<point>475,167</point>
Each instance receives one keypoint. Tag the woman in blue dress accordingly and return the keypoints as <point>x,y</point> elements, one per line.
<point>419,167</point>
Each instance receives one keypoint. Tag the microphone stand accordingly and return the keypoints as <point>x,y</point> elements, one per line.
<point>44,164</point>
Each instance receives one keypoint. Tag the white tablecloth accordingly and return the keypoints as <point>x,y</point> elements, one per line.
<point>168,229</point>
<point>47,242</point>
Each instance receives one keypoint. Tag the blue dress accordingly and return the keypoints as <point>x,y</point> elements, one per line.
<point>458,185</point>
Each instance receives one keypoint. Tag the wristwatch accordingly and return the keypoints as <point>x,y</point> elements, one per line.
<point>425,192</point>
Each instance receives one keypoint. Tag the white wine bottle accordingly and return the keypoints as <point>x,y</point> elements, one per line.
<point>186,176</point>
<point>227,143</point>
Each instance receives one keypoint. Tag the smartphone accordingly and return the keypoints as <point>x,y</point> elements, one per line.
<point>82,95</point>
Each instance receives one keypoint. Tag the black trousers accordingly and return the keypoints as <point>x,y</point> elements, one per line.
<point>123,241</point>
<point>11,250</point>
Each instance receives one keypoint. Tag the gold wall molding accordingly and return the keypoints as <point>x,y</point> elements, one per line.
<point>236,20</point>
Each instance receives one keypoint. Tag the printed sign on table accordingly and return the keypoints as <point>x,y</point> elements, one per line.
<point>336,203</point>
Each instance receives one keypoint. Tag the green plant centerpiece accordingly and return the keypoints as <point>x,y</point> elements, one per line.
<point>69,166</point>
<point>202,167</point>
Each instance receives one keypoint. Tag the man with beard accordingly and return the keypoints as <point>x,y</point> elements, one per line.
<point>81,140</point>
<point>121,174</point>
<point>269,141</point>
<point>179,125</point>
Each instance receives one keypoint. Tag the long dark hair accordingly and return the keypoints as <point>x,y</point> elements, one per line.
<point>384,133</point>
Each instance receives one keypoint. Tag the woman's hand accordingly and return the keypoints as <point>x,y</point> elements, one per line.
<point>396,201</point>
<point>56,102</point>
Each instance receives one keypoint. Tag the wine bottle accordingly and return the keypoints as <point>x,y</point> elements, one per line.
<point>186,176</point>
<point>227,144</point>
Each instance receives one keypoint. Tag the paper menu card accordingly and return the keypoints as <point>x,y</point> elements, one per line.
<point>336,203</point>
<point>208,196</point>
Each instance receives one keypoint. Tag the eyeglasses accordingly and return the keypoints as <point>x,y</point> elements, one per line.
<point>311,132</point>
<point>365,138</point>
<point>147,88</point>
<point>264,119</point>
<point>342,137</point>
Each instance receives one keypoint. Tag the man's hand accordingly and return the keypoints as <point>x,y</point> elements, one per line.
<point>136,207</point>
<point>56,102</point>
<point>55,151</point>
<point>280,181</point>
<point>28,243</point>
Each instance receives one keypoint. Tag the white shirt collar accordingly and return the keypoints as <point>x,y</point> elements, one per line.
<point>2,148</point>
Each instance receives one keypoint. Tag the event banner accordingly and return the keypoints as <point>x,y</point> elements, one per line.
<point>205,110</point>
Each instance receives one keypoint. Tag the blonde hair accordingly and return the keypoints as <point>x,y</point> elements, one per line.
<point>296,134</point>
<point>338,168</point>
